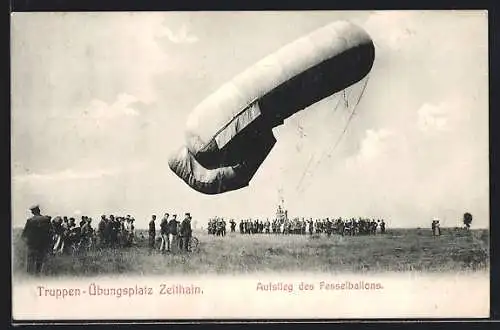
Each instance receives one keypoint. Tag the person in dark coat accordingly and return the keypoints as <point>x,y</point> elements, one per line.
<point>37,234</point>
<point>171,231</point>
<point>101,230</point>
<point>382,227</point>
<point>152,232</point>
<point>164,233</point>
<point>185,233</point>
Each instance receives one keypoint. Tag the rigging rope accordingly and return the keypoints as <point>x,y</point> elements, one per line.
<point>312,156</point>
<point>299,186</point>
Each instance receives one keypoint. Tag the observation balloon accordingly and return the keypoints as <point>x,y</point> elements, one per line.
<point>229,134</point>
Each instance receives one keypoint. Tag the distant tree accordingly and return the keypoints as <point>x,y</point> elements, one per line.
<point>467,220</point>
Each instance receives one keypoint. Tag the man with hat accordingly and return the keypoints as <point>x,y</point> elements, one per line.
<point>171,231</point>
<point>185,232</point>
<point>152,233</point>
<point>101,230</point>
<point>37,234</point>
<point>132,230</point>
<point>164,233</point>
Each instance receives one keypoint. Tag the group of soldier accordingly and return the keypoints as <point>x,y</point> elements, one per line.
<point>67,235</point>
<point>112,231</point>
<point>171,229</point>
<point>217,226</point>
<point>297,226</point>
<point>116,231</point>
<point>44,235</point>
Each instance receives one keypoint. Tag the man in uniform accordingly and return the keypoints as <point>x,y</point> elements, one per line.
<point>185,232</point>
<point>164,232</point>
<point>101,228</point>
<point>152,232</point>
<point>171,231</point>
<point>37,234</point>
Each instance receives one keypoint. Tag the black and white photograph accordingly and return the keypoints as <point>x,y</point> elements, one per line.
<point>250,165</point>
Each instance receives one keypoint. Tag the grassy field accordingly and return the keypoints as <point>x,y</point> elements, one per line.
<point>397,250</point>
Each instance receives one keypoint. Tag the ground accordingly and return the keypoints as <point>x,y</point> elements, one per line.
<point>397,250</point>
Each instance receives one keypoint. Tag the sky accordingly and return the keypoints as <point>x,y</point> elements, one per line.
<point>100,100</point>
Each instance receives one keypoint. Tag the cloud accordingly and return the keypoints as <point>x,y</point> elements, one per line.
<point>376,142</point>
<point>390,29</point>
<point>73,57</point>
<point>64,175</point>
<point>181,37</point>
<point>122,106</point>
<point>444,116</point>
<point>432,118</point>
<point>71,174</point>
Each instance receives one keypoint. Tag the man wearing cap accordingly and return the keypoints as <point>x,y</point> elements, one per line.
<point>185,233</point>
<point>37,234</point>
<point>164,232</point>
<point>101,228</point>
<point>152,233</point>
<point>171,231</point>
<point>132,230</point>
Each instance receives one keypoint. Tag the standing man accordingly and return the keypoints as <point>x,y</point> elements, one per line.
<point>382,227</point>
<point>37,235</point>
<point>171,231</point>
<point>185,232</point>
<point>101,229</point>
<point>108,230</point>
<point>152,233</point>
<point>164,232</point>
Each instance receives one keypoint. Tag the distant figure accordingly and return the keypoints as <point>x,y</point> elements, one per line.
<point>152,232</point>
<point>436,230</point>
<point>382,227</point>
<point>37,235</point>
<point>467,220</point>
<point>185,233</point>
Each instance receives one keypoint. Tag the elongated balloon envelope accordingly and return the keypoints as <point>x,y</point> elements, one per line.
<point>229,134</point>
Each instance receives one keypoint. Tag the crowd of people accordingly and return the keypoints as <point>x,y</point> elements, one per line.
<point>171,229</point>
<point>217,226</point>
<point>45,235</point>
<point>300,226</point>
<point>281,224</point>
<point>112,231</point>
